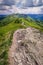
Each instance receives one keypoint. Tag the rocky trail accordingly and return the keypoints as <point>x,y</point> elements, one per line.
<point>26,48</point>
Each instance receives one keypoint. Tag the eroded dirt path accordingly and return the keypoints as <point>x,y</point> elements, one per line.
<point>17,37</point>
<point>26,48</point>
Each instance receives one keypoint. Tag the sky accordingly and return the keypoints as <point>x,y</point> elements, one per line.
<point>21,6</point>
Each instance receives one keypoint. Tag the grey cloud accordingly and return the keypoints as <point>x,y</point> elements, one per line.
<point>8,2</point>
<point>2,7</point>
<point>30,3</point>
<point>38,2</point>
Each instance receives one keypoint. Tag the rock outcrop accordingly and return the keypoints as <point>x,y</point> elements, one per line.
<point>27,47</point>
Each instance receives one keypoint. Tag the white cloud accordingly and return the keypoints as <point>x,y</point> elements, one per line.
<point>14,9</point>
<point>21,6</point>
<point>34,10</point>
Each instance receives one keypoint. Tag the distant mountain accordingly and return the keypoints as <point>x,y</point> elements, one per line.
<point>34,16</point>
<point>2,16</point>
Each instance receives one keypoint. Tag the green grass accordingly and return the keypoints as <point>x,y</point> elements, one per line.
<point>30,22</point>
<point>7,28</point>
<point>6,33</point>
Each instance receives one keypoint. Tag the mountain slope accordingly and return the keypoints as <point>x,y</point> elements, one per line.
<point>7,27</point>
<point>27,47</point>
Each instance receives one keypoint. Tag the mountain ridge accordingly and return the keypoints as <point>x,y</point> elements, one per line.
<point>27,47</point>
<point>8,26</point>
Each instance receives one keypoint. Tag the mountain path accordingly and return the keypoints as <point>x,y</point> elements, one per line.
<point>26,48</point>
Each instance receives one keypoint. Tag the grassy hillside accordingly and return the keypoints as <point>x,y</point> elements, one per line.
<point>7,26</point>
